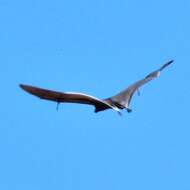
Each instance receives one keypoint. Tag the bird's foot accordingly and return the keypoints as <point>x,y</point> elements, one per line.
<point>129,110</point>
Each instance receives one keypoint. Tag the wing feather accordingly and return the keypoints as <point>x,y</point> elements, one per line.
<point>125,96</point>
<point>66,97</point>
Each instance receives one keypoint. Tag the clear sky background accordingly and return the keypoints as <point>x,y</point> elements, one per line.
<point>97,47</point>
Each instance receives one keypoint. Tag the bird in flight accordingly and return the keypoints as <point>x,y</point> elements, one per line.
<point>117,102</point>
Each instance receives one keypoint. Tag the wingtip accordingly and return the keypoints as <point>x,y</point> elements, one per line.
<point>171,61</point>
<point>22,86</point>
<point>166,65</point>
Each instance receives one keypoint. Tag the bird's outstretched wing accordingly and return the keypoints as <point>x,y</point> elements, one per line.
<point>123,98</point>
<point>68,97</point>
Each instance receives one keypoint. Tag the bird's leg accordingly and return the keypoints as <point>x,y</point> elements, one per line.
<point>57,107</point>
<point>138,92</point>
<point>120,114</point>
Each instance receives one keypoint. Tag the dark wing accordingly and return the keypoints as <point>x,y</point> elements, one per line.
<point>123,98</point>
<point>166,64</point>
<point>69,97</point>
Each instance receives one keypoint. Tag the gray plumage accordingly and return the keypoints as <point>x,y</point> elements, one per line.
<point>118,102</point>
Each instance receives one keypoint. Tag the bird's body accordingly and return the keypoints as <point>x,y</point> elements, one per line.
<point>117,102</point>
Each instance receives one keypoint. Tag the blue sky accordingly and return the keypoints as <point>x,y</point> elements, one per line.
<point>96,47</point>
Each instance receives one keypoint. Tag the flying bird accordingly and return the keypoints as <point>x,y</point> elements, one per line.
<point>117,102</point>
